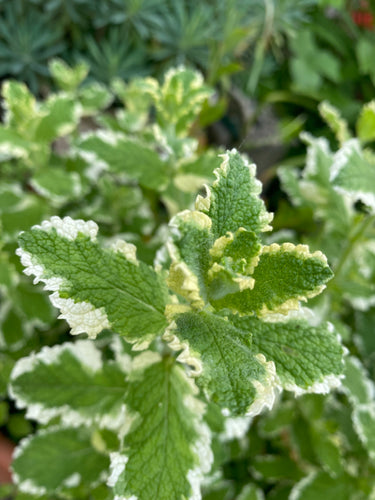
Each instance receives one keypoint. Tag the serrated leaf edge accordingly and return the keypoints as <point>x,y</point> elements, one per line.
<point>29,486</point>
<point>90,357</point>
<point>201,447</point>
<point>294,303</point>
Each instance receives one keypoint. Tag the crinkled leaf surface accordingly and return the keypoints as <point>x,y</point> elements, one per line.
<point>56,460</point>
<point>307,358</point>
<point>228,368</point>
<point>194,242</point>
<point>283,276</point>
<point>94,287</point>
<point>69,381</point>
<point>167,447</point>
<point>233,200</point>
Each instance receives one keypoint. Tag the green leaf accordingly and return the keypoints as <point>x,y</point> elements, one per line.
<point>335,121</point>
<point>364,424</point>
<point>20,108</point>
<point>322,485</point>
<point>180,99</point>
<point>307,359</point>
<point>273,468</point>
<point>357,384</point>
<point>13,332</point>
<point>188,272</point>
<point>33,303</point>
<point>68,78</point>
<point>222,356</point>
<point>95,288</point>
<point>13,144</point>
<point>31,211</point>
<point>283,276</point>
<point>326,448</point>
<point>59,117</point>
<point>366,123</point>
<point>56,460</point>
<point>352,174</point>
<point>315,190</point>
<point>250,492</point>
<point>72,382</point>
<point>57,185</point>
<point>167,440</point>
<point>94,97</point>
<point>6,366</point>
<point>233,201</point>
<point>122,155</point>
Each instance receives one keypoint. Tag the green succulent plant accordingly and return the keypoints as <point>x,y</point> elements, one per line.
<point>28,39</point>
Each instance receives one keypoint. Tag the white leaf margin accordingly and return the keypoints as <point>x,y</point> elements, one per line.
<point>90,357</point>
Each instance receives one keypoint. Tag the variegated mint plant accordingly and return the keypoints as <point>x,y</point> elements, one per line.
<point>211,334</point>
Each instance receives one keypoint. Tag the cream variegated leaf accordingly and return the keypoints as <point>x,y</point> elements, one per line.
<point>56,460</point>
<point>70,381</point>
<point>284,276</point>
<point>167,440</point>
<point>233,375</point>
<point>95,288</point>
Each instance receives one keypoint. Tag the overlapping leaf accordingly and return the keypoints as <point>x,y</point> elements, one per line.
<point>354,174</point>
<point>307,359</point>
<point>69,381</point>
<point>95,288</point>
<point>228,368</point>
<point>124,155</point>
<point>167,440</point>
<point>57,460</point>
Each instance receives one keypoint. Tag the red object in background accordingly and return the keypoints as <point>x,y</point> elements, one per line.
<point>362,16</point>
<point>6,451</point>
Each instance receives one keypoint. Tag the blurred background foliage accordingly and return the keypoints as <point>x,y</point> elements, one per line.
<point>267,64</point>
<point>271,62</point>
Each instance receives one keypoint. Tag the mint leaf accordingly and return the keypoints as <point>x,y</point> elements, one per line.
<point>228,368</point>
<point>283,276</point>
<point>357,384</point>
<point>321,485</point>
<point>56,460</point>
<point>233,200</point>
<point>69,381</point>
<point>353,174</point>
<point>188,272</point>
<point>124,155</point>
<point>167,440</point>
<point>59,116</point>
<point>306,358</point>
<point>95,288</point>
<point>366,123</point>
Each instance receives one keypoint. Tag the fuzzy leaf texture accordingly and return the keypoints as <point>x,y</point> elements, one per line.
<point>167,440</point>
<point>95,288</point>
<point>69,381</point>
<point>219,265</point>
